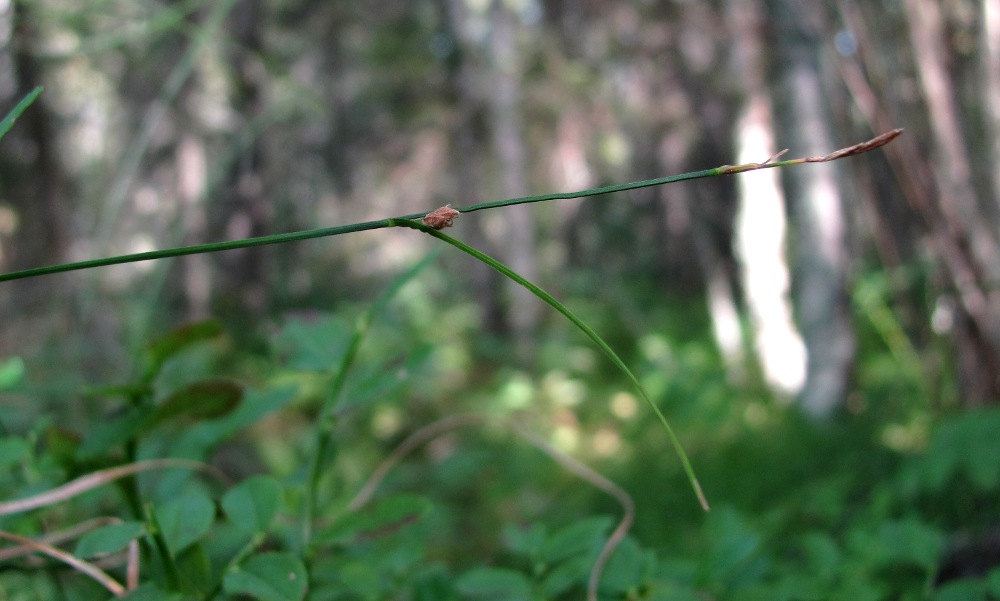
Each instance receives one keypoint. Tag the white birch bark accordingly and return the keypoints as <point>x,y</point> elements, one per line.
<point>760,220</point>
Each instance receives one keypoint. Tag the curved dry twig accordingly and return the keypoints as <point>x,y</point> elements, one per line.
<point>84,567</point>
<point>54,538</point>
<point>99,478</point>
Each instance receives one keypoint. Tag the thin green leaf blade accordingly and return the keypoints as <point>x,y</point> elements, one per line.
<point>583,327</point>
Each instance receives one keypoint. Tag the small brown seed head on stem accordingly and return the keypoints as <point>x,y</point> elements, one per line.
<point>441,218</point>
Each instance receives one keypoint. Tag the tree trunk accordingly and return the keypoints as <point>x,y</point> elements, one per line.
<point>821,300</point>
<point>990,56</point>
<point>962,216</point>
<point>760,221</point>
<point>34,184</point>
<point>242,290</point>
<point>515,224</point>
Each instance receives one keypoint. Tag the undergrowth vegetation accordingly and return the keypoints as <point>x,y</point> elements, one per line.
<point>885,502</point>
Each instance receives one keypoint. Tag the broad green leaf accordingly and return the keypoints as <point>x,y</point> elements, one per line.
<point>269,577</point>
<point>494,583</point>
<point>566,575</point>
<point>109,539</point>
<point>13,450</point>
<point>207,399</point>
<point>252,505</point>
<point>185,519</point>
<point>165,347</point>
<point>362,578</point>
<point>107,434</point>
<point>585,537</point>
<point>195,568</point>
<point>316,344</point>
<point>912,542</point>
<point>11,373</point>
<point>966,589</point>
<point>61,444</point>
<point>525,542</point>
<point>993,583</point>
<point>151,592</point>
<point>386,517</point>
<point>626,569</point>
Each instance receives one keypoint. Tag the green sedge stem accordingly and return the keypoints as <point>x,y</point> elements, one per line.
<point>583,327</point>
<point>327,419</point>
<point>337,230</point>
<point>876,142</point>
<point>8,121</point>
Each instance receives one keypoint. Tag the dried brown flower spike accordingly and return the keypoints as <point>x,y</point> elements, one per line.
<point>441,218</point>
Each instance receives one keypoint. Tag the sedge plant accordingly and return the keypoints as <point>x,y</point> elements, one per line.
<point>432,223</point>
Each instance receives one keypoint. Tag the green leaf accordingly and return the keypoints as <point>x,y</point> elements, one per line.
<point>626,569</point>
<point>109,539</point>
<point>911,542</point>
<point>113,432</point>
<point>62,444</point>
<point>967,589</point>
<point>525,542</point>
<point>494,583</point>
<point>269,577</point>
<point>11,373</point>
<point>185,519</point>
<point>165,347</point>
<point>13,450</point>
<point>314,345</point>
<point>15,113</point>
<point>572,572</point>
<point>386,517</point>
<point>207,399</point>
<point>151,592</point>
<point>362,578</point>
<point>252,505</point>
<point>581,538</point>
<point>993,583</point>
<point>195,569</point>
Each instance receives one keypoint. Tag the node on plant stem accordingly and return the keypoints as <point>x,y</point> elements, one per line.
<point>441,218</point>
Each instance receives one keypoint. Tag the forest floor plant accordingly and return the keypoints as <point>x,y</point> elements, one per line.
<point>252,506</point>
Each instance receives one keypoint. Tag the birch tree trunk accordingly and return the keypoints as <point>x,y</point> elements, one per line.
<point>821,300</point>
<point>760,221</point>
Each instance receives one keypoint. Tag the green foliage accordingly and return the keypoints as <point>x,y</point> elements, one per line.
<point>844,533</point>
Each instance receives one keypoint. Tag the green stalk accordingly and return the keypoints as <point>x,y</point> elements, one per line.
<point>8,121</point>
<point>583,327</point>
<point>324,430</point>
<point>383,223</point>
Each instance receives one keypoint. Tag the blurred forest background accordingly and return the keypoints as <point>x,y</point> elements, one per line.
<point>809,328</point>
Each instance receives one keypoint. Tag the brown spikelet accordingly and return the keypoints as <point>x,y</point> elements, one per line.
<point>441,218</point>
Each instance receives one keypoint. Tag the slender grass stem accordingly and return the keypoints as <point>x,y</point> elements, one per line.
<point>8,121</point>
<point>583,327</point>
<point>383,223</point>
